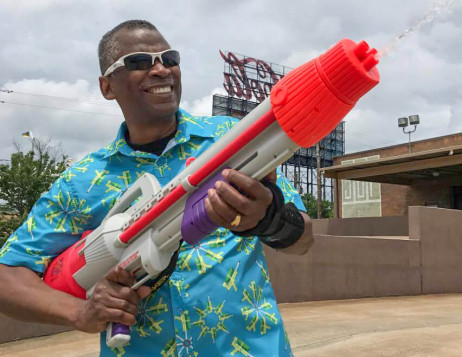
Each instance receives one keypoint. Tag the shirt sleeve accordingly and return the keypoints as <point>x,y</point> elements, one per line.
<point>55,222</point>
<point>290,193</point>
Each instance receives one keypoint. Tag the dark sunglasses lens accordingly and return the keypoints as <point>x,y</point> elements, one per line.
<point>138,62</point>
<point>171,58</point>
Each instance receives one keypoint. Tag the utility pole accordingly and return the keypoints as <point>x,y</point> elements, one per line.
<point>318,181</point>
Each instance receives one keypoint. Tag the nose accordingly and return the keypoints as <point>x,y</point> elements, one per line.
<point>158,69</point>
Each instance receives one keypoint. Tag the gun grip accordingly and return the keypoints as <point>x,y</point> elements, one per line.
<point>117,335</point>
<point>196,223</point>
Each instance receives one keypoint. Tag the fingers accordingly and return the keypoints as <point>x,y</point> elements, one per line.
<point>120,276</point>
<point>118,285</point>
<point>220,220</point>
<point>223,210</point>
<point>117,315</point>
<point>250,186</point>
<point>113,300</point>
<point>121,304</point>
<point>143,291</point>
<point>225,202</point>
<point>233,199</point>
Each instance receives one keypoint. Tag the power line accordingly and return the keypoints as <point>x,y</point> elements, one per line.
<point>93,102</point>
<point>57,108</point>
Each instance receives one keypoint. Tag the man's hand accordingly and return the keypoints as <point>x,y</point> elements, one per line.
<point>112,301</point>
<point>225,202</point>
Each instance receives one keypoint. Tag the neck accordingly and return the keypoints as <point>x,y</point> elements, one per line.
<point>143,133</point>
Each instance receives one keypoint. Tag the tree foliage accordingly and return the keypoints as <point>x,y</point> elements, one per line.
<point>27,176</point>
<point>311,206</point>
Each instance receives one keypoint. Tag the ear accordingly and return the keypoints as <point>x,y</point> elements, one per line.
<point>106,89</point>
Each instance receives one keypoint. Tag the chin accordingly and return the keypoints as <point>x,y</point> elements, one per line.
<point>161,111</point>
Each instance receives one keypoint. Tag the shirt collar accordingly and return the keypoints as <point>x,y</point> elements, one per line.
<point>188,126</point>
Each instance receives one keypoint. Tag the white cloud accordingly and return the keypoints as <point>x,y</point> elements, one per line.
<point>49,48</point>
<point>21,6</point>
<point>201,106</point>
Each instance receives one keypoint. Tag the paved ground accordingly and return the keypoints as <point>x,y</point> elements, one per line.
<point>417,326</point>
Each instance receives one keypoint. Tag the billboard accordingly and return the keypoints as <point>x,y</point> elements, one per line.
<point>249,78</point>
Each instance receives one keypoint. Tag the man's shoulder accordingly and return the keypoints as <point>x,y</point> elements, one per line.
<point>220,124</point>
<point>94,157</point>
<point>206,125</point>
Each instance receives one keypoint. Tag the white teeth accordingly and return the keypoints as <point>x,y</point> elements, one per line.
<point>158,90</point>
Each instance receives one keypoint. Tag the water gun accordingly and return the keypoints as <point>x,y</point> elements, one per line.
<point>145,227</point>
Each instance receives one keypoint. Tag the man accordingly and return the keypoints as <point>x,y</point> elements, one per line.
<point>218,300</point>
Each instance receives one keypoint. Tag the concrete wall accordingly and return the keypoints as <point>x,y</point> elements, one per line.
<point>440,234</point>
<point>347,267</point>
<point>11,330</point>
<point>369,226</point>
<point>360,263</point>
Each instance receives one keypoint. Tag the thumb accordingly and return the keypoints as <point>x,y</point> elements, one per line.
<point>272,176</point>
<point>118,275</point>
<point>143,291</point>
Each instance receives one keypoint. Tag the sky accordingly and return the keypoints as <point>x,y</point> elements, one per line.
<point>49,60</point>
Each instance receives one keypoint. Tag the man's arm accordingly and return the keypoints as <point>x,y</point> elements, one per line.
<point>303,245</point>
<point>225,202</point>
<point>24,296</point>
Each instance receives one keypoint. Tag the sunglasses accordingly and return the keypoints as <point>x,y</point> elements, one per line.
<point>140,61</point>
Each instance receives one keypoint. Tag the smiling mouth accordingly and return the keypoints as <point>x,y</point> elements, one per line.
<point>159,90</point>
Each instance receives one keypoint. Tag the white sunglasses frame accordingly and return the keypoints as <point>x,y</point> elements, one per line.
<point>120,62</point>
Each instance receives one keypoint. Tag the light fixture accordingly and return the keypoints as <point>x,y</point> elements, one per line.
<point>403,122</point>
<point>414,120</point>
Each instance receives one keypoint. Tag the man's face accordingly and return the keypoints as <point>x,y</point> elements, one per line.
<point>146,96</point>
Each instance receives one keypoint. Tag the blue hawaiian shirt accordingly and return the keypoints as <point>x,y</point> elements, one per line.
<point>218,301</point>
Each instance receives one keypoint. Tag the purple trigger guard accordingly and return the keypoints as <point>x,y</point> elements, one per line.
<point>196,223</point>
<point>118,328</point>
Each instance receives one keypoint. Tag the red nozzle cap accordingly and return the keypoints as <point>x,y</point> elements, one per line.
<point>371,60</point>
<point>350,69</point>
<point>311,100</point>
<point>361,50</point>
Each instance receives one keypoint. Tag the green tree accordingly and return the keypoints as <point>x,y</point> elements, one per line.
<point>27,176</point>
<point>311,206</point>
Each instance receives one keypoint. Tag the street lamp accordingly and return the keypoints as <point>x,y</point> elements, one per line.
<point>403,123</point>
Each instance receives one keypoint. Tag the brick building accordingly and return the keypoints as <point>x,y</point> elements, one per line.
<point>386,181</point>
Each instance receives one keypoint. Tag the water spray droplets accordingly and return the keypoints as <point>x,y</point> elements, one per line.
<point>436,10</point>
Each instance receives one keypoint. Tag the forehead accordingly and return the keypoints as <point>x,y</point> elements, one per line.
<point>139,40</point>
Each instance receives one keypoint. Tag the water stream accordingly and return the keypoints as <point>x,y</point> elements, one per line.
<point>438,8</point>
